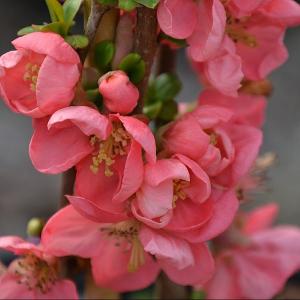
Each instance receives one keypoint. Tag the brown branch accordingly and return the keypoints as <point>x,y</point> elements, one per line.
<point>145,44</point>
<point>166,61</point>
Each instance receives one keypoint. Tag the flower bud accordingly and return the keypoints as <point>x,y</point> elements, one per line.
<point>120,95</point>
<point>35,227</point>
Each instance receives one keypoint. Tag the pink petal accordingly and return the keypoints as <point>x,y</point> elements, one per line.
<point>130,184</point>
<point>260,218</point>
<point>199,188</point>
<point>177,18</point>
<point>91,211</point>
<point>10,289</point>
<point>18,246</point>
<point>173,251</point>
<point>247,109</point>
<point>155,223</point>
<point>189,216</point>
<point>97,187</point>
<point>62,289</point>
<point>110,269</point>
<point>269,54</point>
<point>186,137</point>
<point>55,151</point>
<point>225,206</point>
<point>199,273</point>
<point>50,44</point>
<point>285,11</point>
<point>87,119</point>
<point>209,33</point>
<point>68,233</point>
<point>247,141</point>
<point>56,85</point>
<point>142,134</point>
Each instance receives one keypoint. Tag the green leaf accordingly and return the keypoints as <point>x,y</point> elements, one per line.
<point>104,54</point>
<point>198,295</point>
<point>51,27</point>
<point>26,30</point>
<point>168,111</point>
<point>166,87</point>
<point>70,9</point>
<point>108,2</point>
<point>77,41</point>
<point>127,4</point>
<point>177,42</point>
<point>55,10</point>
<point>148,3</point>
<point>134,66</point>
<point>94,95</point>
<point>152,111</point>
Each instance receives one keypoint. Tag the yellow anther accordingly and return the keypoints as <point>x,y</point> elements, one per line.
<point>31,75</point>
<point>115,145</point>
<point>178,190</point>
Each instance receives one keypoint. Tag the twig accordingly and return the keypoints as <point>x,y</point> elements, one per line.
<point>166,61</point>
<point>145,44</point>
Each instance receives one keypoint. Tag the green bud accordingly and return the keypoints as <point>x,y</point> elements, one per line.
<point>148,3</point>
<point>35,227</point>
<point>127,4</point>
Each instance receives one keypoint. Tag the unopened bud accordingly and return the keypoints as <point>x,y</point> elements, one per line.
<point>35,227</point>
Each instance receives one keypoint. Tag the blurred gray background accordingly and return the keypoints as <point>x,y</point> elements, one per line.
<point>25,193</point>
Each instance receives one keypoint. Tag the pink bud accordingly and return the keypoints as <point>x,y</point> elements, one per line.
<point>119,94</point>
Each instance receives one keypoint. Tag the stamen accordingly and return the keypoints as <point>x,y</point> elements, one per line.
<point>31,75</point>
<point>128,231</point>
<point>35,273</point>
<point>178,192</point>
<point>116,145</point>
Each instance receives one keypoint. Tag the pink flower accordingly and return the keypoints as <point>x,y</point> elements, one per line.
<point>39,77</point>
<point>247,109</point>
<point>222,71</point>
<point>254,261</point>
<point>119,94</point>
<point>122,254</point>
<point>202,24</point>
<point>105,150</point>
<point>34,275</point>
<point>224,149</point>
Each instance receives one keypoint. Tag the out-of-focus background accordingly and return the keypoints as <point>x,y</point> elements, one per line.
<point>25,193</point>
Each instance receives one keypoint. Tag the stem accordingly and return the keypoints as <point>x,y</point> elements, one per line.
<point>145,44</point>
<point>167,60</point>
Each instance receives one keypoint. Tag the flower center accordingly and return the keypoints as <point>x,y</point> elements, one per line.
<point>128,231</point>
<point>31,75</point>
<point>116,145</point>
<point>236,28</point>
<point>35,273</point>
<point>178,192</point>
<point>212,136</point>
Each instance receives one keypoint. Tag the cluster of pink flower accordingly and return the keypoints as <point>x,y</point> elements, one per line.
<point>140,204</point>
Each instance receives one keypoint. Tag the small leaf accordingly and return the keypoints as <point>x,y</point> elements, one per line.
<point>94,95</point>
<point>177,42</point>
<point>51,27</point>
<point>70,8</point>
<point>108,2</point>
<point>104,54</point>
<point>134,66</point>
<point>55,10</point>
<point>148,3</point>
<point>127,5</point>
<point>77,41</point>
<point>26,30</point>
<point>152,110</point>
<point>168,111</point>
<point>166,86</point>
<point>198,295</point>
